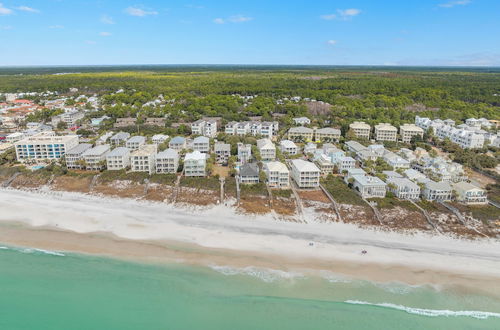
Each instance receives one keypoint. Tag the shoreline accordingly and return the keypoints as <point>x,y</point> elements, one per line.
<point>153,232</point>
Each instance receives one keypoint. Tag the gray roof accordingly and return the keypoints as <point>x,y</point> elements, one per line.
<point>201,139</point>
<point>137,138</point>
<point>178,140</point>
<point>120,151</point>
<point>79,149</point>
<point>301,129</point>
<point>392,174</point>
<point>167,154</point>
<point>403,182</point>
<point>355,145</point>
<point>219,146</point>
<point>97,151</point>
<point>433,185</point>
<point>121,136</point>
<point>249,169</point>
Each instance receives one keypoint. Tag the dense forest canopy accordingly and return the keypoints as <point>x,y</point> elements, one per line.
<point>394,95</point>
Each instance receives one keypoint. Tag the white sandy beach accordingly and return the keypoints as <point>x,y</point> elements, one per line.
<point>335,246</point>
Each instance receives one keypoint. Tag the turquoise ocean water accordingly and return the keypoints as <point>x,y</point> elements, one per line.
<point>47,290</point>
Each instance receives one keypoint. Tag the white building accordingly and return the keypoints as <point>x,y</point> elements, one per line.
<point>95,158</point>
<point>135,142</point>
<point>69,118</point>
<point>267,149</point>
<point>278,175</point>
<point>289,147</point>
<point>327,134</point>
<point>205,127</point>
<point>404,188</point>
<point>244,153</point>
<point>305,174</point>
<point>167,161</point>
<point>201,144</point>
<point>74,156</point>
<point>302,121</point>
<point>249,173</point>
<point>369,186</point>
<point>44,146</point>
<point>360,129</point>
<point>118,159</point>
<point>386,132</point>
<point>195,164</point>
<point>159,138</point>
<point>14,137</point>
<point>408,131</point>
<point>119,139</point>
<point>468,193</point>
<point>437,191</point>
<point>143,159</point>
<point>222,152</point>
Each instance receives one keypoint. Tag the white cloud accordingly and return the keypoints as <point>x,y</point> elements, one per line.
<point>135,11</point>
<point>105,34</point>
<point>332,42</point>
<point>28,9</point>
<point>452,4</point>
<point>56,27</point>
<point>5,11</point>
<point>107,19</point>
<point>342,14</point>
<point>233,19</point>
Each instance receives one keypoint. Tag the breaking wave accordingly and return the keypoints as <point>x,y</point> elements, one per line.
<point>429,312</point>
<point>266,275</point>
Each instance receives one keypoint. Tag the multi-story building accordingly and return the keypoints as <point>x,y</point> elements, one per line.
<point>369,186</point>
<point>205,127</point>
<point>324,164</point>
<point>14,137</point>
<point>264,129</point>
<point>119,139</point>
<point>326,134</point>
<point>360,129</point>
<point>222,152</point>
<point>95,158</point>
<point>244,153</point>
<point>408,131</point>
<point>267,149</point>
<point>302,121</point>
<point>74,156</point>
<point>201,144</point>
<point>289,147</point>
<point>135,142</point>
<point>195,164</point>
<point>159,138</point>
<point>249,173</point>
<point>404,188</point>
<point>386,132</point>
<point>468,193</point>
<point>437,191</point>
<point>177,143</point>
<point>44,146</point>
<point>125,122</point>
<point>143,159</point>
<point>118,159</point>
<point>301,133</point>
<point>278,175</point>
<point>305,174</point>
<point>69,118</point>
<point>167,161</point>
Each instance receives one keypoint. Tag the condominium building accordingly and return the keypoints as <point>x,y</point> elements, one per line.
<point>95,158</point>
<point>289,147</point>
<point>222,152</point>
<point>135,142</point>
<point>244,153</point>
<point>74,156</point>
<point>143,159</point>
<point>195,164</point>
<point>278,175</point>
<point>44,146</point>
<point>408,131</point>
<point>69,118</point>
<point>404,188</point>
<point>468,193</point>
<point>167,161</point>
<point>327,134</point>
<point>201,144</point>
<point>205,127</point>
<point>305,174</point>
<point>118,159</point>
<point>267,149</point>
<point>360,129</point>
<point>119,139</point>
<point>386,132</point>
<point>300,133</point>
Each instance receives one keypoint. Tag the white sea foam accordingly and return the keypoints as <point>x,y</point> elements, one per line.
<point>334,278</point>
<point>4,248</point>
<point>429,312</point>
<point>397,288</point>
<point>52,253</point>
<point>266,275</point>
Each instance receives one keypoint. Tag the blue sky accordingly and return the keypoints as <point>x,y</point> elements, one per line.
<point>349,32</point>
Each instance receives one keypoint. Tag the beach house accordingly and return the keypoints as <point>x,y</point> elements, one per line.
<point>177,143</point>
<point>143,159</point>
<point>119,139</point>
<point>437,191</point>
<point>195,164</point>
<point>369,186</point>
<point>95,158</point>
<point>305,174</point>
<point>118,159</point>
<point>74,156</point>
<point>222,152</point>
<point>201,144</point>
<point>289,147</point>
<point>277,174</point>
<point>167,161</point>
<point>267,149</point>
<point>244,153</point>
<point>403,188</point>
<point>135,142</point>
<point>468,193</point>
<point>249,173</point>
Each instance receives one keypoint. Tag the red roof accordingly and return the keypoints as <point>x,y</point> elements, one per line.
<point>23,101</point>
